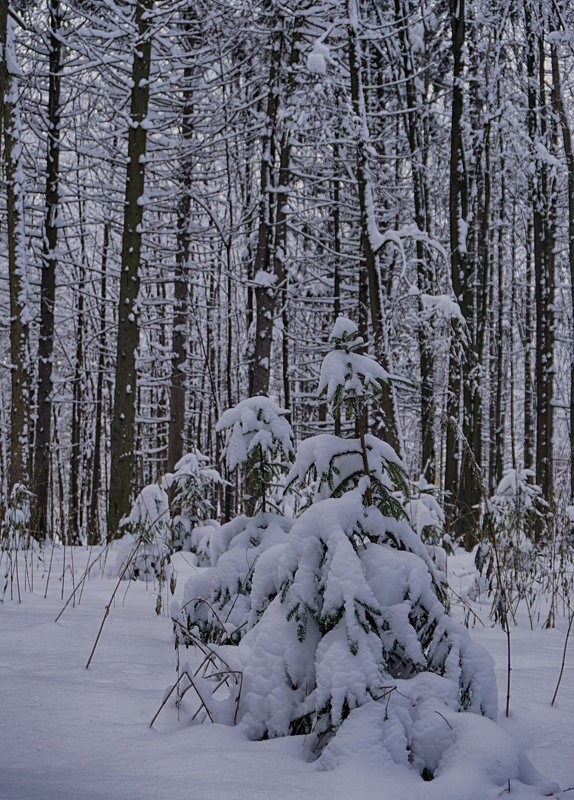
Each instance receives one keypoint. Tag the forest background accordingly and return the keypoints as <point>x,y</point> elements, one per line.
<point>193,193</point>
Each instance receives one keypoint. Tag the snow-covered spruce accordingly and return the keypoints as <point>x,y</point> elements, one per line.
<point>349,641</point>
<point>259,442</point>
<point>189,487</point>
<point>355,621</point>
<point>513,512</point>
<point>163,517</point>
<point>145,547</point>
<point>217,601</point>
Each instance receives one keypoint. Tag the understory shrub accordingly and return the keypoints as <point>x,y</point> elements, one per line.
<point>526,557</point>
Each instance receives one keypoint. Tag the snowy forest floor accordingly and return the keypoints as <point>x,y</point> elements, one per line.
<point>67,733</point>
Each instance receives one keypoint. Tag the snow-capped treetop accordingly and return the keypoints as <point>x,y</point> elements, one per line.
<point>517,491</point>
<point>259,441</point>
<point>147,528</point>
<point>255,424</point>
<point>348,378</point>
<point>328,466</point>
<point>150,510</point>
<point>345,333</point>
<point>517,481</point>
<point>194,463</point>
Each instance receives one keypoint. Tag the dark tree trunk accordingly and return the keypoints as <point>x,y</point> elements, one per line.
<point>3,62</point>
<point>458,214</point>
<point>544,239</point>
<point>123,434</point>
<point>264,290</point>
<point>18,280</point>
<point>93,511</point>
<point>562,116</point>
<point>180,332</point>
<point>41,481</point>
<point>417,146</point>
<point>76,459</point>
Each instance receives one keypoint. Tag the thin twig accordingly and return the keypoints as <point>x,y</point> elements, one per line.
<point>107,611</point>
<point>563,660</point>
<point>445,719</point>
<point>466,605</point>
<point>49,569</point>
<point>81,581</point>
<point>169,694</point>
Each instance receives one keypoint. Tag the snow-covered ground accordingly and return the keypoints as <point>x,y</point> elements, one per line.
<point>67,733</point>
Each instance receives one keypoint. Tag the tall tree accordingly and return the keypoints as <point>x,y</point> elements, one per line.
<point>564,122</point>
<point>190,36</point>
<point>41,481</point>
<point>458,452</point>
<point>3,61</point>
<point>543,201</point>
<point>123,435</point>
<point>417,134</point>
<point>265,279</point>
<point>18,275</point>
<point>371,240</point>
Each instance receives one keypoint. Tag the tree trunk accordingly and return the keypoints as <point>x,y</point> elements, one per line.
<point>48,284</point>
<point>180,333</point>
<point>18,279</point>
<point>270,259</point>
<point>3,62</point>
<point>74,498</point>
<point>562,116</point>
<point>417,147</point>
<point>125,393</point>
<point>93,526</point>
<point>458,214</point>
<point>368,244</point>
<point>544,240</point>
<point>264,290</point>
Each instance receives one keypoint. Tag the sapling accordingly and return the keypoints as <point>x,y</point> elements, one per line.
<point>347,620</point>
<point>189,488</point>
<point>359,607</point>
<point>217,602</point>
<point>258,443</point>
<point>148,526</point>
<point>164,515</point>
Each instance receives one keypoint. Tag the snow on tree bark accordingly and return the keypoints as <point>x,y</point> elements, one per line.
<point>123,419</point>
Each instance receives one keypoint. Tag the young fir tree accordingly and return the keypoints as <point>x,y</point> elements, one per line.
<point>164,515</point>
<point>350,611</point>
<point>348,640</point>
<point>217,601</point>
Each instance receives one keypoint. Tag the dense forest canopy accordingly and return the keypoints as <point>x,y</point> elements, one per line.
<point>193,193</point>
